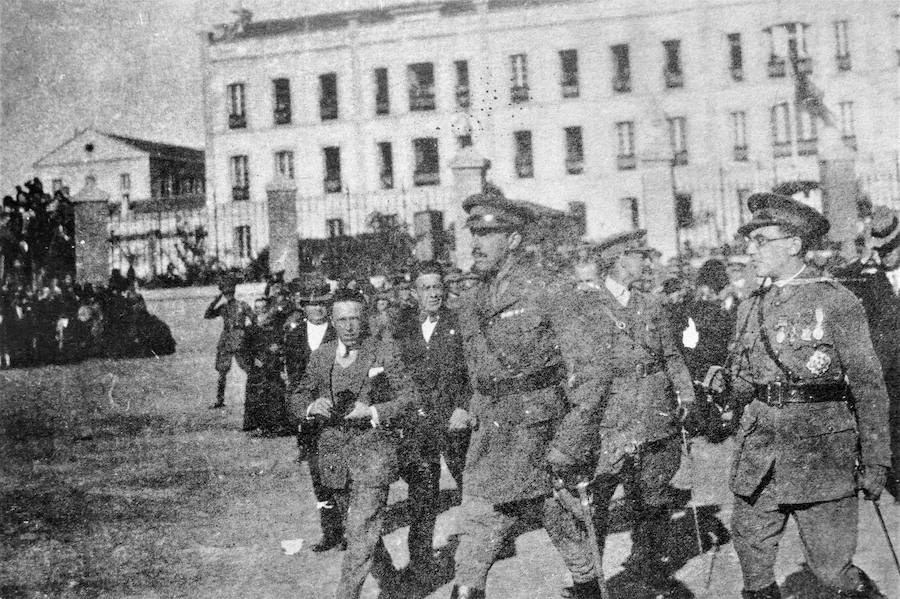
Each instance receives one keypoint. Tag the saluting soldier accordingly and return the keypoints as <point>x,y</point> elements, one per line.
<point>515,358</point>
<point>814,391</point>
<point>236,316</point>
<point>649,399</point>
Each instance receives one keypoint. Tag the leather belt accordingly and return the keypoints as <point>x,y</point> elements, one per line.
<point>777,394</point>
<point>639,370</point>
<point>541,379</point>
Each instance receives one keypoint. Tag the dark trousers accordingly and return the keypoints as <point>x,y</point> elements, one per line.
<point>423,478</point>
<point>454,449</point>
<point>365,552</point>
<point>331,511</point>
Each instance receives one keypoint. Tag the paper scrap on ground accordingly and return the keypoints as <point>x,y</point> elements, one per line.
<point>291,546</point>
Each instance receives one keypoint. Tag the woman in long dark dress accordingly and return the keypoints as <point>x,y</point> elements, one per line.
<point>264,411</point>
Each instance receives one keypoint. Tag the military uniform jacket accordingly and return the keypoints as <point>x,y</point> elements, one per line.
<point>438,369</point>
<point>647,367</point>
<point>296,345</point>
<point>817,330</point>
<point>357,452</point>
<point>511,332</point>
<point>235,318</point>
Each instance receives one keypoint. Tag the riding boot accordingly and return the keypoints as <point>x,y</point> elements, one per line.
<point>769,592</point>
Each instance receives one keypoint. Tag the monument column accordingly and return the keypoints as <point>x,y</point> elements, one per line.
<point>91,207</point>
<point>469,175</point>
<point>283,247</point>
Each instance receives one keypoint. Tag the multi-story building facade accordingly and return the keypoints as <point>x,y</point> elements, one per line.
<point>571,101</point>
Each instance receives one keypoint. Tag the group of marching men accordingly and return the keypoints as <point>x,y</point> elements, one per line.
<point>544,393</point>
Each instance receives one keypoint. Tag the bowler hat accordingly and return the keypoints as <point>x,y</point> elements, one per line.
<point>317,293</point>
<point>491,210</point>
<point>772,209</point>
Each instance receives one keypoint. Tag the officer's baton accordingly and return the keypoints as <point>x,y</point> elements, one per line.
<point>887,536</point>
<point>587,511</point>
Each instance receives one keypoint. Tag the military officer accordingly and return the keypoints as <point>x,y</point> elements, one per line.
<point>515,358</point>
<point>649,399</point>
<point>814,392</point>
<point>356,387</point>
<point>236,316</point>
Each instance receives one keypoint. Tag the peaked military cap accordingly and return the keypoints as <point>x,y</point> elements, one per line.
<point>621,243</point>
<point>770,209</point>
<point>491,210</point>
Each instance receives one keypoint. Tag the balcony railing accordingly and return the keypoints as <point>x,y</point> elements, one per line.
<point>843,62</point>
<point>674,79</point>
<point>781,149</point>
<point>421,99</point>
<point>741,154</point>
<point>807,147</point>
<point>622,83</point>
<point>426,178</point>
<point>332,185</point>
<point>680,158</point>
<point>237,121</point>
<point>569,84</point>
<point>524,169</point>
<point>626,162</point>
<point>240,194</point>
<point>387,180</point>
<point>737,73</point>
<point>849,141</point>
<point>519,93</point>
<point>575,166</point>
<point>282,116</point>
<point>776,67</point>
<point>382,105</point>
<point>328,109</point>
<point>804,65</point>
<point>462,96</point>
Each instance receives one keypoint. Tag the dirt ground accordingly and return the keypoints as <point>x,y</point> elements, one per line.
<point>118,482</point>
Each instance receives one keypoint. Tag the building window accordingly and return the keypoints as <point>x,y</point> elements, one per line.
<point>284,165</point>
<point>622,66</point>
<point>848,128</point>
<point>463,141</point>
<point>282,90</point>
<point>242,242</point>
<point>842,46</point>
<point>574,151</point>
<point>739,135</point>
<point>678,140</point>
<point>631,213</point>
<point>672,72</point>
<point>427,164</point>
<point>386,165</point>
<point>332,182</point>
<point>776,65</point>
<point>240,179</point>
<point>569,63</point>
<point>807,141</point>
<point>328,97</point>
<point>335,227</point>
<point>237,116</point>
<point>518,81</point>
<point>462,84</point>
<point>735,56</point>
<point>781,130</point>
<point>124,185</point>
<point>421,86</point>
<point>524,160</point>
<point>625,159</point>
<point>382,96</point>
<point>797,52</point>
<point>684,211</point>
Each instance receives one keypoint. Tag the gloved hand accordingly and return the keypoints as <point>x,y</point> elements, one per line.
<point>321,407</point>
<point>460,420</point>
<point>871,481</point>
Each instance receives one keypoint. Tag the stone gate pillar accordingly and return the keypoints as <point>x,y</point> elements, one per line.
<point>837,179</point>
<point>91,207</point>
<point>658,207</point>
<point>283,246</point>
<point>469,176</point>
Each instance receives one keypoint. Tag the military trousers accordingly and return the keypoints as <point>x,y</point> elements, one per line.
<point>365,507</point>
<point>828,531</point>
<point>485,529</point>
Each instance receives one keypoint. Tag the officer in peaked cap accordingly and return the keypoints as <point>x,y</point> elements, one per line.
<point>516,357</point>
<point>815,405</point>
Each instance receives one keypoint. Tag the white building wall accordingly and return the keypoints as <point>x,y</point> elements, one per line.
<point>106,174</point>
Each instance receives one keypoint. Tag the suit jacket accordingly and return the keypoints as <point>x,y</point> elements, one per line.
<point>296,346</point>
<point>357,452</point>
<point>438,369</point>
<point>818,331</point>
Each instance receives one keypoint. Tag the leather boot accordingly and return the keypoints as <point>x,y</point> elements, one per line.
<point>769,592</point>
<point>328,542</point>
<point>583,590</point>
<point>462,592</point>
<point>864,589</point>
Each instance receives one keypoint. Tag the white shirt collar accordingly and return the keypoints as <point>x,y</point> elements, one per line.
<point>315,333</point>
<point>428,327</point>
<point>619,291</point>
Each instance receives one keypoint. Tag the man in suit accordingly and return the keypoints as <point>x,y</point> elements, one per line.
<point>357,389</point>
<point>236,316</point>
<point>431,350</point>
<point>305,330</point>
<point>816,404</point>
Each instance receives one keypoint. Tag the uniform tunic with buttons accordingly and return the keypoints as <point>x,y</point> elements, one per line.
<point>818,331</point>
